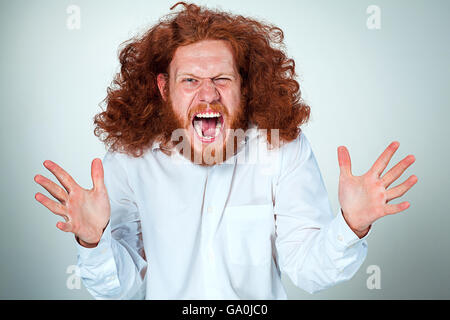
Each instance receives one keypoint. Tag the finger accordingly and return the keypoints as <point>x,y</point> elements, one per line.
<point>66,227</point>
<point>395,172</point>
<point>51,205</point>
<point>66,180</point>
<point>401,189</point>
<point>345,163</point>
<point>383,160</point>
<point>395,208</point>
<point>97,173</point>
<point>55,190</point>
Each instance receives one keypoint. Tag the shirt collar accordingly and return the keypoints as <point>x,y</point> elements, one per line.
<point>155,146</point>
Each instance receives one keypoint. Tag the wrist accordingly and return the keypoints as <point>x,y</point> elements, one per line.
<point>86,244</point>
<point>360,232</point>
<point>92,244</point>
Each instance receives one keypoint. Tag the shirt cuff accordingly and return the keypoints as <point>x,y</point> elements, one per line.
<point>342,235</point>
<point>103,247</point>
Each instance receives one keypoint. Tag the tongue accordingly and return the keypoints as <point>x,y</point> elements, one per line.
<point>209,127</point>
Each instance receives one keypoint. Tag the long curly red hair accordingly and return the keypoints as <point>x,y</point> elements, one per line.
<point>136,115</point>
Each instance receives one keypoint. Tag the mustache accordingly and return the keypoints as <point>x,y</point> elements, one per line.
<point>202,107</point>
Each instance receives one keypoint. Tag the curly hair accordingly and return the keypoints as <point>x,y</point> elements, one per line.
<point>135,115</point>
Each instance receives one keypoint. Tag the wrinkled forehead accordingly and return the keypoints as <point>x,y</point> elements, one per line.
<point>207,58</point>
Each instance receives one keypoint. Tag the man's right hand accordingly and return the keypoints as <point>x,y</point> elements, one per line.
<point>86,212</point>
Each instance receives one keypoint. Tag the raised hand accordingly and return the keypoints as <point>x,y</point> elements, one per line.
<point>364,199</point>
<point>86,212</point>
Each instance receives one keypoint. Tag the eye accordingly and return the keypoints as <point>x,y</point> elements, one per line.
<point>189,80</point>
<point>221,80</point>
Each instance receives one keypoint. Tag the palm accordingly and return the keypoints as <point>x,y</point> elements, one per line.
<point>86,211</point>
<point>364,199</point>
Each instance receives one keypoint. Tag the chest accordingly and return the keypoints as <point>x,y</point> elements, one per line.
<point>179,198</point>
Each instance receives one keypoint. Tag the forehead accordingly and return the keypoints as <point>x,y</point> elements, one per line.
<point>204,59</point>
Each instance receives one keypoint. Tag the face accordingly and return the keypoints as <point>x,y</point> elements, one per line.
<point>205,95</point>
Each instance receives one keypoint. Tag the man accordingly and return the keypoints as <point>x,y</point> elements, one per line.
<point>180,211</point>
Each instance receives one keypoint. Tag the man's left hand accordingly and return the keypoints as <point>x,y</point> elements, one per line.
<point>364,199</point>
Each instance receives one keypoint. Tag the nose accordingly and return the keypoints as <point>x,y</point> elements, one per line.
<point>207,92</point>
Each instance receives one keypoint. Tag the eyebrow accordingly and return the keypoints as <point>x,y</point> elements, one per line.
<point>184,74</point>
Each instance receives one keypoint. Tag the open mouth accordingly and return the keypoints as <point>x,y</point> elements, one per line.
<point>208,125</point>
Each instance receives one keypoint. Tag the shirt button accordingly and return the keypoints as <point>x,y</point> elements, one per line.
<point>210,209</point>
<point>340,238</point>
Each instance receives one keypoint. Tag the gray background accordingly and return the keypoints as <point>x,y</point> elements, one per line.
<point>366,89</point>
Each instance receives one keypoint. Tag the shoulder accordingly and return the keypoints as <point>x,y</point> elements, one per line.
<point>296,150</point>
<point>119,163</point>
<point>116,158</point>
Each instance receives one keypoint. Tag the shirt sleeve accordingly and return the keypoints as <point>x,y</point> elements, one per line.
<point>315,248</point>
<point>116,267</point>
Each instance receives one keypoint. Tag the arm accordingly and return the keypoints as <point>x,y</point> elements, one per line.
<point>315,248</point>
<point>106,225</point>
<point>116,267</point>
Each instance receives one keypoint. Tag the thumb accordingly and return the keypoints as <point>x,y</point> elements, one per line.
<point>97,173</point>
<point>345,164</point>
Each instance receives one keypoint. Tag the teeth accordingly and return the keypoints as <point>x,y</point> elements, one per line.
<point>208,115</point>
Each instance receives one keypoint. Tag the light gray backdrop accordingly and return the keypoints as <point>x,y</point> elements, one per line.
<point>367,87</point>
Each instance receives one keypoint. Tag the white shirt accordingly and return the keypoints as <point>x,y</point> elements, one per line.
<point>220,232</point>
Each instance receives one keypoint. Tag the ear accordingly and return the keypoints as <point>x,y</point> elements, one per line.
<point>161,80</point>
